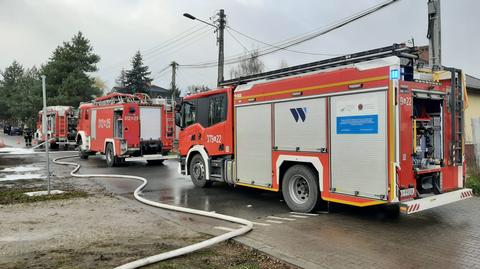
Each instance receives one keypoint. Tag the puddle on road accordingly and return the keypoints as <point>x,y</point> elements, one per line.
<point>21,176</point>
<point>16,168</point>
<point>16,151</point>
<point>20,169</point>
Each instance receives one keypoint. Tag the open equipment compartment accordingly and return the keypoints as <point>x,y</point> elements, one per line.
<point>427,156</point>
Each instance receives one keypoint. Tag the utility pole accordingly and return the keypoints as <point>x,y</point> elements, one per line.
<point>434,35</point>
<point>45,130</point>
<point>220,40</point>
<point>174,66</point>
<point>219,29</point>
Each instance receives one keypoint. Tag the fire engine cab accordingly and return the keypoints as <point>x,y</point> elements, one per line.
<point>365,129</point>
<point>126,127</point>
<point>61,126</point>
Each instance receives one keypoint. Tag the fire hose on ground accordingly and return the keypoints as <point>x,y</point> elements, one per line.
<point>177,252</point>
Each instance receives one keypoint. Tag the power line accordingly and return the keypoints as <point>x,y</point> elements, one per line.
<point>238,41</point>
<point>278,47</point>
<point>177,37</point>
<point>173,43</point>
<point>186,43</point>
<point>150,52</point>
<point>190,41</point>
<point>160,73</point>
<point>301,38</point>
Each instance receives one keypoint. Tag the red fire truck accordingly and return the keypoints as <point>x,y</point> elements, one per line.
<point>126,127</point>
<point>364,129</point>
<point>61,126</point>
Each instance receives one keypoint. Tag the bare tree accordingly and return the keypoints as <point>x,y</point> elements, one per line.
<point>250,64</point>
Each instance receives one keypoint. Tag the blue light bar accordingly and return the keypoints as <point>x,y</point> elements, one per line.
<point>394,74</point>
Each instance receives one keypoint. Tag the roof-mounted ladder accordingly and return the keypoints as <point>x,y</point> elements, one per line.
<point>400,50</point>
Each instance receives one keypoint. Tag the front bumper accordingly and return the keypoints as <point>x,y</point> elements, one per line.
<point>414,206</point>
<point>151,157</point>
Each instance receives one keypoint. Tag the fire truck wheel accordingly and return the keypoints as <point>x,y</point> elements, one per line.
<point>82,153</point>
<point>112,160</point>
<point>300,189</point>
<point>197,172</point>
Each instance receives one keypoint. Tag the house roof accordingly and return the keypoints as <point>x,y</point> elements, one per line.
<point>473,83</point>
<point>158,89</point>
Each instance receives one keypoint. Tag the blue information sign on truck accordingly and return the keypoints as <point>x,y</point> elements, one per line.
<point>364,124</point>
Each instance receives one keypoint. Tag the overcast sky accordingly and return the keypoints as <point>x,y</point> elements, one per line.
<point>31,29</point>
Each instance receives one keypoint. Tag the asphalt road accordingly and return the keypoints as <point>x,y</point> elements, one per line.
<point>347,237</point>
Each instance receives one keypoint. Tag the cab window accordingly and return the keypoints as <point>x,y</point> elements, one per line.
<point>189,113</point>
<point>217,111</point>
<point>206,111</point>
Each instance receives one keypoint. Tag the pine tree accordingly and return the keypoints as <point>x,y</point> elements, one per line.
<point>121,80</point>
<point>138,78</point>
<point>26,99</point>
<point>11,75</point>
<point>68,81</point>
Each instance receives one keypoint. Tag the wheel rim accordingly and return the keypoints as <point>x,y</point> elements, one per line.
<point>198,170</point>
<point>299,189</point>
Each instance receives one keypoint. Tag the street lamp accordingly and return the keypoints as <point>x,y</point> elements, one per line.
<point>190,16</point>
<point>219,28</point>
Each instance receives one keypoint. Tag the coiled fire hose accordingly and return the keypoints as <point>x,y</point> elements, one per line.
<point>177,252</point>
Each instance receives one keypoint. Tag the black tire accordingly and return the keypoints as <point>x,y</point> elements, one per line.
<point>300,189</point>
<point>82,153</point>
<point>197,172</point>
<point>121,161</point>
<point>110,157</point>
<point>155,162</point>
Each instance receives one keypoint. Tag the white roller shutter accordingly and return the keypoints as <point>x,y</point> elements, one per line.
<point>150,123</point>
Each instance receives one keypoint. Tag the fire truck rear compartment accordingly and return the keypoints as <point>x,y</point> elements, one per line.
<point>150,130</point>
<point>427,155</point>
<point>118,124</point>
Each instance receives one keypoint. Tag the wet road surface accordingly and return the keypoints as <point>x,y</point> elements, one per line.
<point>348,237</point>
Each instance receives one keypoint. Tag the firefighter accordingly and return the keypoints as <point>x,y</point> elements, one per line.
<point>27,135</point>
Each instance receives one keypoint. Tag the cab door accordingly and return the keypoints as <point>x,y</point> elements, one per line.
<point>214,119</point>
<point>187,137</point>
